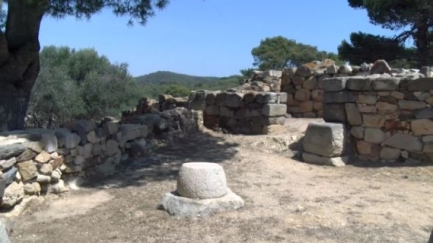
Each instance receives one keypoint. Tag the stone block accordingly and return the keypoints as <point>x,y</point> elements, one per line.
<point>67,139</point>
<point>212,110</point>
<point>28,170</point>
<point>404,141</point>
<point>303,95</point>
<point>359,83</point>
<point>334,84</point>
<point>234,100</point>
<point>366,99</point>
<point>390,153</point>
<point>397,95</point>
<point>374,135</point>
<point>421,84</point>
<point>424,113</point>
<point>370,120</point>
<point>363,147</point>
<point>324,139</point>
<point>306,106</point>
<point>318,106</point>
<point>201,180</point>
<point>310,83</point>
<point>422,127</point>
<point>386,83</point>
<point>274,110</point>
<point>357,132</point>
<point>317,95</point>
<point>353,115</point>
<point>334,113</point>
<point>339,97</point>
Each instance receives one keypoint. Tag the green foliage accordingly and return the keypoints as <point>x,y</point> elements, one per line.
<point>79,84</point>
<point>279,52</point>
<point>415,16</point>
<point>177,90</point>
<point>369,48</point>
<point>157,83</point>
<point>247,72</point>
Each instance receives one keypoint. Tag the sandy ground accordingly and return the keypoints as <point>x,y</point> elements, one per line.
<point>286,200</point>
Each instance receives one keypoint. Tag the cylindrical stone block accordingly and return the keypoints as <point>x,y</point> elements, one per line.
<point>201,180</point>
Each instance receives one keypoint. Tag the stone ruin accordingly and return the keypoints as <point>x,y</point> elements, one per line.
<point>242,112</point>
<point>386,117</point>
<point>35,162</point>
<point>201,191</point>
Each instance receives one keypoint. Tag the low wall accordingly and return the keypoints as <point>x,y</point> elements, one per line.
<point>389,117</point>
<point>304,86</point>
<point>39,161</point>
<point>244,112</point>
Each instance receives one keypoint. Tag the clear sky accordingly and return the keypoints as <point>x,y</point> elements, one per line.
<point>209,37</point>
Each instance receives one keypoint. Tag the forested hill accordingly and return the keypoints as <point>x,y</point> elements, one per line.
<point>180,84</point>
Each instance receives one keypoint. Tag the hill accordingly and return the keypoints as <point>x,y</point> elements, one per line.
<point>178,84</point>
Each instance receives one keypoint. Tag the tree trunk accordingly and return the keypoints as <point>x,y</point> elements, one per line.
<point>422,40</point>
<point>19,60</point>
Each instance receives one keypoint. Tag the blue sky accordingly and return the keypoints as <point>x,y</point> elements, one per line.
<point>209,37</point>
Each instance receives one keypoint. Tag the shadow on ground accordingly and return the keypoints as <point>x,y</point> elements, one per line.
<point>164,162</point>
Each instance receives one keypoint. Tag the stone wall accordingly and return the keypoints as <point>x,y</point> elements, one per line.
<point>304,85</point>
<point>40,161</point>
<point>263,81</point>
<point>244,112</point>
<point>389,116</point>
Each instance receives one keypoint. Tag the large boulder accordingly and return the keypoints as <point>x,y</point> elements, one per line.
<point>324,139</point>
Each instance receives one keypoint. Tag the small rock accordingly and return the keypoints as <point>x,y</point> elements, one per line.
<point>26,155</point>
<point>27,170</point>
<point>43,157</point>
<point>14,193</point>
<point>32,188</point>
<point>6,164</point>
<point>59,187</point>
<point>46,169</point>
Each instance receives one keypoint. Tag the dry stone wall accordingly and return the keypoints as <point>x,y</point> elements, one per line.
<point>304,86</point>
<point>389,116</point>
<point>40,161</point>
<point>245,112</point>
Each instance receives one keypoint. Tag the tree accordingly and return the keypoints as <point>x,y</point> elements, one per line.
<point>19,44</point>
<point>177,90</point>
<point>369,48</point>
<point>414,15</point>
<point>79,84</point>
<point>279,52</point>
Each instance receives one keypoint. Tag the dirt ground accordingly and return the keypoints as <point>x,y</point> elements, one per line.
<point>285,200</point>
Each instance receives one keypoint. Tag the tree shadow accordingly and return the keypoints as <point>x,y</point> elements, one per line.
<point>164,163</point>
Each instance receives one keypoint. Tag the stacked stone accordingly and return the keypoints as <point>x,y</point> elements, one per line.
<point>244,112</point>
<point>168,102</point>
<point>263,81</point>
<point>304,85</point>
<point>389,117</point>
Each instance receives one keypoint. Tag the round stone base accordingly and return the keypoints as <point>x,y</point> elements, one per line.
<point>186,207</point>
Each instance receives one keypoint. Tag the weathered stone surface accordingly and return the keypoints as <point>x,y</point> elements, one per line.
<point>131,132</point>
<point>274,110</point>
<point>345,69</point>
<point>380,67</point>
<point>226,112</point>
<point>46,169</point>
<point>306,106</point>
<point>390,153</point>
<point>59,187</point>
<point>8,177</point>
<point>310,83</point>
<point>385,83</point>
<point>210,98</point>
<point>212,110</point>
<point>185,207</point>
<point>110,127</point>
<point>324,139</point>
<point>319,160</point>
<point>43,157</point>
<point>339,97</point>
<point>201,180</point>
<point>363,147</point>
<point>366,99</point>
<point>333,69</point>
<point>385,106</point>
<point>422,127</point>
<point>334,113</point>
<point>43,179</point>
<point>234,100</point>
<point>317,95</point>
<point>334,84</point>
<point>370,120</point>
<point>421,84</point>
<point>32,188</point>
<point>367,109</point>
<point>318,106</point>
<point>92,138</point>
<point>12,148</point>
<point>411,105</point>
<point>27,170</point>
<point>4,237</point>
<point>353,115</point>
<point>306,70</point>
<point>13,194</point>
<point>6,164</point>
<point>404,141</point>
<point>357,132</point>
<point>359,83</point>
<point>374,135</point>
<point>397,95</point>
<point>424,113</point>
<point>26,155</point>
<point>302,95</point>
<point>422,96</point>
<point>112,147</point>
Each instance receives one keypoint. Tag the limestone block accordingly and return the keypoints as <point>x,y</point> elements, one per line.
<point>324,139</point>
<point>201,180</point>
